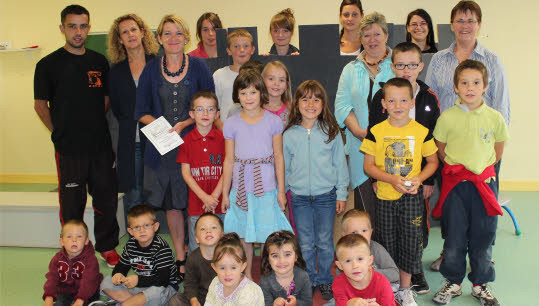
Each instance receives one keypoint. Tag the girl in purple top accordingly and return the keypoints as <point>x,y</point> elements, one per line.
<point>254,164</point>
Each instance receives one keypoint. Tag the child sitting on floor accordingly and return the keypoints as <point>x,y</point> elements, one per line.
<point>73,277</point>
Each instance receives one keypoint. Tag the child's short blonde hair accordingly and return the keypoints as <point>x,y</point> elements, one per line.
<point>239,33</point>
<point>350,241</point>
<point>355,214</point>
<point>140,210</point>
<point>74,222</point>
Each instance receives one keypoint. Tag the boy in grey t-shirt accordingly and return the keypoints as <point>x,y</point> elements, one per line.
<point>356,221</point>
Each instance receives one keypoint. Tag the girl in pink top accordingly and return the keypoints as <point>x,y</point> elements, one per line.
<point>207,40</point>
<point>277,81</point>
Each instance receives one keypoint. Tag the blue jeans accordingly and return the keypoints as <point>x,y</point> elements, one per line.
<point>134,196</point>
<point>469,230</point>
<point>314,217</point>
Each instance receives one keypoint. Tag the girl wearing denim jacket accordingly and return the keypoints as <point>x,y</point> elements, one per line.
<point>317,176</point>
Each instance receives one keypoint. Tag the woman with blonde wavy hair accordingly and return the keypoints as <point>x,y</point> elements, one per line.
<point>166,86</point>
<point>130,45</point>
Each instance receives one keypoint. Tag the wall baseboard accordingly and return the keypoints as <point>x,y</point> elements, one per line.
<point>29,178</point>
<point>514,185</point>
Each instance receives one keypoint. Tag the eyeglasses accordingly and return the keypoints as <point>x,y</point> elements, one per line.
<point>139,227</point>
<point>201,110</point>
<point>415,24</point>
<point>463,22</point>
<point>410,66</point>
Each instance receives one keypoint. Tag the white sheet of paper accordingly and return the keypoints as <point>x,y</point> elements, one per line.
<point>158,134</point>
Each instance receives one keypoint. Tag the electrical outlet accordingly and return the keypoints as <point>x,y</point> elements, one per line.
<point>5,45</point>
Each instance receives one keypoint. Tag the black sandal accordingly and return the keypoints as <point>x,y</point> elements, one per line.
<point>181,276</point>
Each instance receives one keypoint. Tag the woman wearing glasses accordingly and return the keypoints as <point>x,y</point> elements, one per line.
<point>165,89</point>
<point>420,31</point>
<point>466,23</point>
<point>359,81</point>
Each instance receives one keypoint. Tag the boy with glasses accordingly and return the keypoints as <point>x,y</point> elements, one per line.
<point>201,156</point>
<point>155,279</point>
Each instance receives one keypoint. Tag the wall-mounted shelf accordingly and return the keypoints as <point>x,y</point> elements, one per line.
<point>26,50</point>
<point>20,50</point>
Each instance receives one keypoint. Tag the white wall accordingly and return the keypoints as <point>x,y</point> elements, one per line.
<point>25,143</point>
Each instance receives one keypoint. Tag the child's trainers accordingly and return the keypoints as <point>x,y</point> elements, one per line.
<point>482,293</point>
<point>103,303</point>
<point>419,284</point>
<point>405,297</point>
<point>325,290</point>
<point>449,291</point>
<point>111,258</point>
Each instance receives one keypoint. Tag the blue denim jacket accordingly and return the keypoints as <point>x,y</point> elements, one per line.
<point>352,95</point>
<point>198,78</point>
<point>313,167</point>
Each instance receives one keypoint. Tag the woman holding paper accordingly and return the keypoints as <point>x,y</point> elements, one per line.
<point>165,89</point>
<point>130,45</point>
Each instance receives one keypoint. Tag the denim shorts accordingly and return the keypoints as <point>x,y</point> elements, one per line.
<point>154,295</point>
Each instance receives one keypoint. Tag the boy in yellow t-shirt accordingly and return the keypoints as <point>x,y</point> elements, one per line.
<point>393,150</point>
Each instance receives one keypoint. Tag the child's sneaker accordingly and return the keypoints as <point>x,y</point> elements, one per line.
<point>405,297</point>
<point>111,258</point>
<point>435,266</point>
<point>448,292</point>
<point>419,284</point>
<point>325,290</point>
<point>482,293</point>
<point>103,303</point>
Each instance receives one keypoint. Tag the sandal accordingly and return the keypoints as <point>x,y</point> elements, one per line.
<point>179,264</point>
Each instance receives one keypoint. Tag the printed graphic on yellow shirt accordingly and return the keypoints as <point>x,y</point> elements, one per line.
<point>399,154</point>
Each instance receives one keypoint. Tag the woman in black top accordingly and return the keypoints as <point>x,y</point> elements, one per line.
<point>130,45</point>
<point>420,31</point>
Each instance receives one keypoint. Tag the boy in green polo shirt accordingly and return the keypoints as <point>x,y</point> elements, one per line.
<point>470,138</point>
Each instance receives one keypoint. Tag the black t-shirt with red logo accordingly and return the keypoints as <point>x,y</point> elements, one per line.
<point>75,86</point>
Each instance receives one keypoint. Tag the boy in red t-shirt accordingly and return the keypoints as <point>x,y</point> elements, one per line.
<point>359,284</point>
<point>202,156</point>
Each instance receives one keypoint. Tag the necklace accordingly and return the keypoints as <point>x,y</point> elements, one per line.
<point>173,74</point>
<point>378,62</point>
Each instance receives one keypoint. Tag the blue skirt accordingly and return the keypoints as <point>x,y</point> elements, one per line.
<point>263,217</point>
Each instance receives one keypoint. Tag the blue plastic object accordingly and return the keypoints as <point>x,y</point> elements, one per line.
<point>517,229</point>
